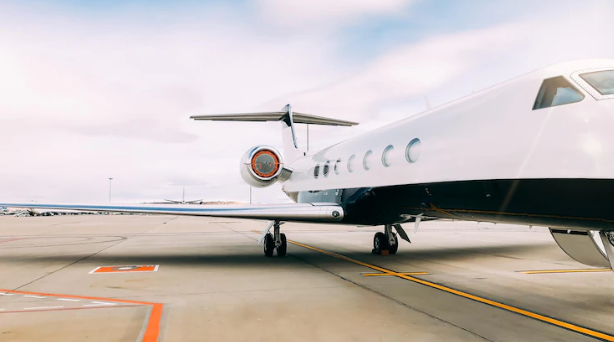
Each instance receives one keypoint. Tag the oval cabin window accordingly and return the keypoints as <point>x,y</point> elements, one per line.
<point>367,162</point>
<point>412,152</point>
<point>386,155</point>
<point>351,163</point>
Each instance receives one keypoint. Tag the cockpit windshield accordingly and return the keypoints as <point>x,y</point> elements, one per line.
<point>603,81</point>
<point>556,91</point>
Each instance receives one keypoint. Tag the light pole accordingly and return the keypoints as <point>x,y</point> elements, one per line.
<point>110,182</point>
<point>307,137</point>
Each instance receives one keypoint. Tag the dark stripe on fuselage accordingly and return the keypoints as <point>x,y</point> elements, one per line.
<point>562,203</point>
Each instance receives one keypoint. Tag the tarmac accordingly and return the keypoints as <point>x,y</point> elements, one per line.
<point>165,278</point>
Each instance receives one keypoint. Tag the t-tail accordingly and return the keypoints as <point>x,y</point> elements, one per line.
<point>288,119</point>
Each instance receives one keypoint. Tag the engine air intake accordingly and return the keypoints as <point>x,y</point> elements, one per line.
<point>265,164</point>
<point>262,166</point>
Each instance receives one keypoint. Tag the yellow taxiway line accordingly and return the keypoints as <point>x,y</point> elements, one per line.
<point>392,275</point>
<point>567,271</point>
<point>523,312</point>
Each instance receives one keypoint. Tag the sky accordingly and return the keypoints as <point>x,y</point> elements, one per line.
<point>97,89</point>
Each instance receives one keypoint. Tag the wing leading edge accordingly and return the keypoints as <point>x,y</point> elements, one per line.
<point>297,212</point>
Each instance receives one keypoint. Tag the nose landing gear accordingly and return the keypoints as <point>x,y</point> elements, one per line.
<point>387,241</point>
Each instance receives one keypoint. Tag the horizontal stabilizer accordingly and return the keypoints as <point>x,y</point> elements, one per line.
<point>298,118</point>
<point>288,118</point>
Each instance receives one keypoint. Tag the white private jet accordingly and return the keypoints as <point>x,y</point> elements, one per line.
<point>535,150</point>
<point>183,201</point>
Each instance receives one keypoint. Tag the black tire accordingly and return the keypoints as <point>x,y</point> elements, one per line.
<point>380,243</point>
<point>281,250</point>
<point>269,245</point>
<point>395,247</point>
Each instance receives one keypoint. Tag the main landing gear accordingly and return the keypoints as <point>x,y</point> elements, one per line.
<point>276,241</point>
<point>387,242</point>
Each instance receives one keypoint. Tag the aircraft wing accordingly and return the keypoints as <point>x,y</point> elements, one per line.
<point>296,212</point>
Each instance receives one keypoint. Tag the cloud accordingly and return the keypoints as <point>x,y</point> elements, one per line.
<point>445,67</point>
<point>318,14</point>
<point>87,98</point>
<point>407,71</point>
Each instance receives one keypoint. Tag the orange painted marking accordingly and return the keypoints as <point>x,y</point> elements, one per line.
<point>69,309</point>
<point>153,325</point>
<point>125,269</point>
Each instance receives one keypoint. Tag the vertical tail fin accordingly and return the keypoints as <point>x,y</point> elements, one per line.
<point>288,135</point>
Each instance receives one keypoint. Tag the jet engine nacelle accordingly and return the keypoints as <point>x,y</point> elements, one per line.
<point>261,166</point>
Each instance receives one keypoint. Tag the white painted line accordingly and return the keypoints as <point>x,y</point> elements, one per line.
<point>31,296</point>
<point>6,294</point>
<point>43,307</point>
<point>93,305</point>
<point>103,303</point>
<point>68,300</point>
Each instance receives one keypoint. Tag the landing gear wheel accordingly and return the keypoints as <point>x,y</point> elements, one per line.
<point>394,247</point>
<point>269,245</point>
<point>281,250</point>
<point>380,243</point>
